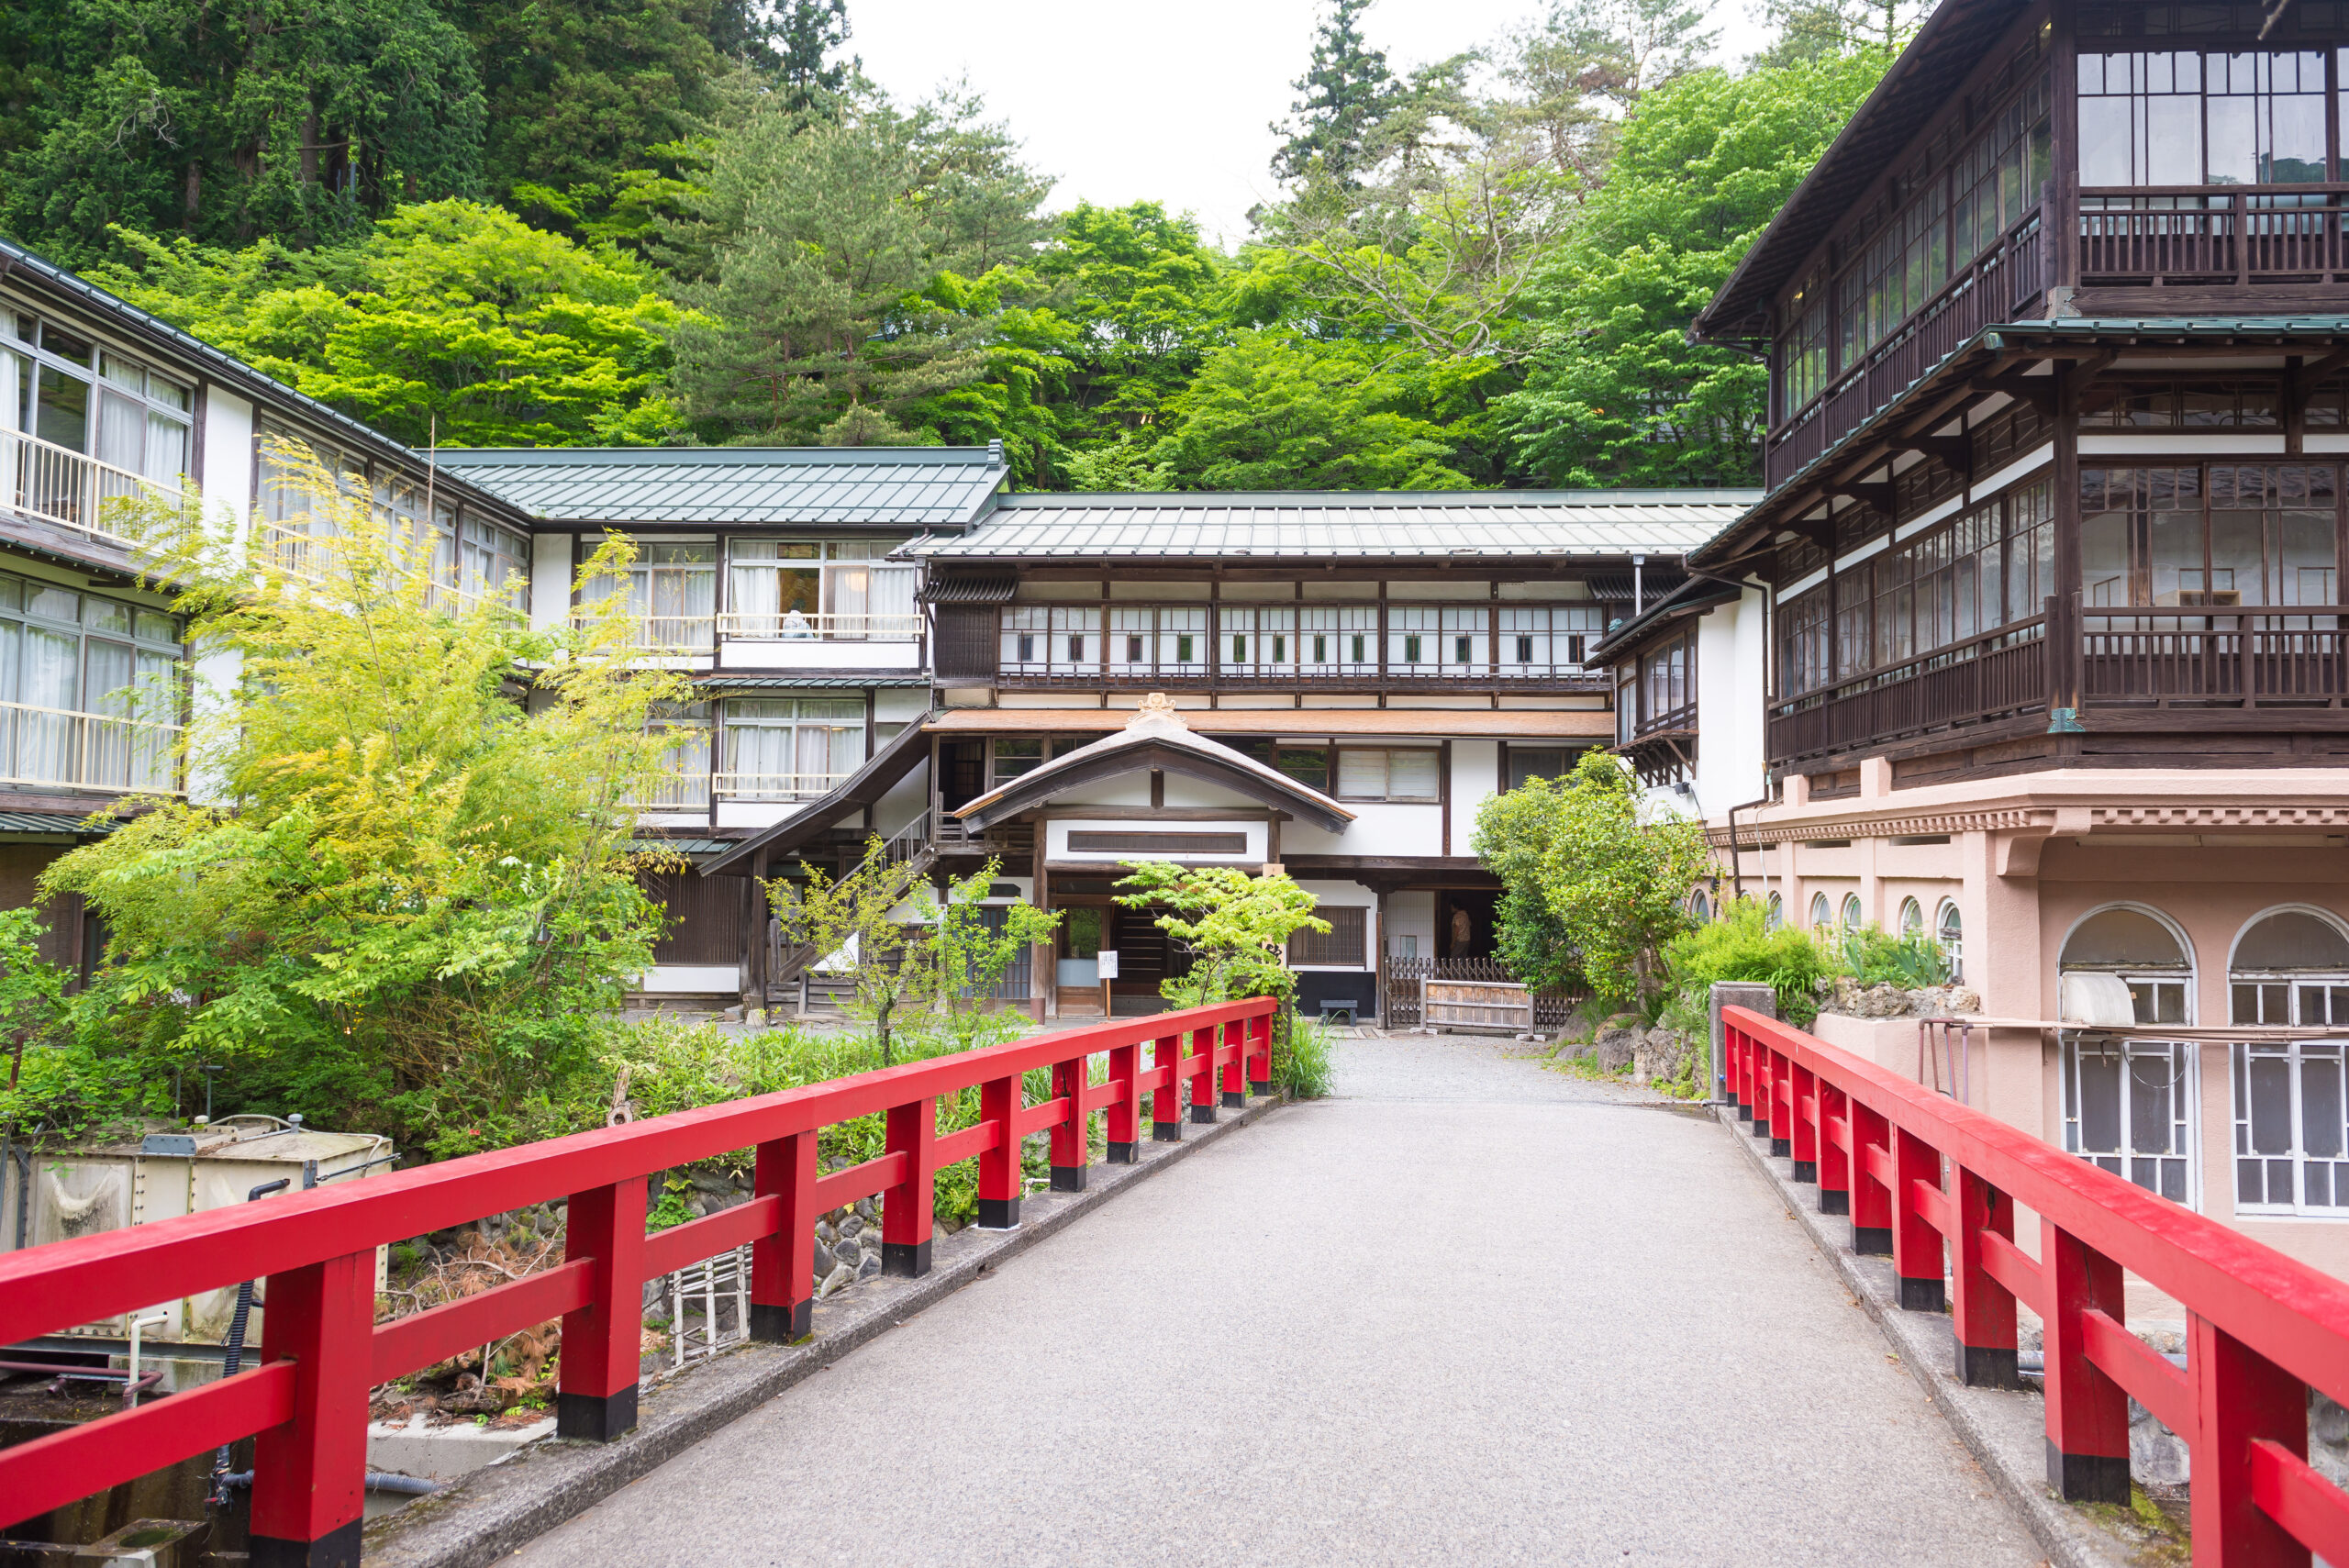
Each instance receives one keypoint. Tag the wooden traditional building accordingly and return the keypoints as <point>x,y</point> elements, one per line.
<point>2058,337</point>
<point>1336,681</point>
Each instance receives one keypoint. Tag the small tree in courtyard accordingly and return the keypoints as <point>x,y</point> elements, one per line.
<point>1592,882</point>
<point>973,954</point>
<point>861,926</point>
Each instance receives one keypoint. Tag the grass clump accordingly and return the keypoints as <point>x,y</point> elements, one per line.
<point>1742,945</point>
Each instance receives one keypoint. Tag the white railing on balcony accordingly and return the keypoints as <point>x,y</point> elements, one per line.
<point>53,747</point>
<point>676,792</point>
<point>685,636</point>
<point>796,626</point>
<point>59,485</point>
<point>778,786</point>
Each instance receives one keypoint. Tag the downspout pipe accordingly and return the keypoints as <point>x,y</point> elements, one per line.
<point>1737,877</point>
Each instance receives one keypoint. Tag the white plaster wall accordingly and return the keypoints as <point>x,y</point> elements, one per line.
<point>549,580</point>
<point>1732,659</point>
<point>811,653</point>
<point>691,980</point>
<point>1410,914</point>
<point>900,704</point>
<point>906,798</point>
<point>1476,775</point>
<point>1190,792</point>
<point>1056,836</point>
<point>1377,830</point>
<point>226,482</point>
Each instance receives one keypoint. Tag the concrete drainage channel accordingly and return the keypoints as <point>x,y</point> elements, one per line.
<point>497,1501</point>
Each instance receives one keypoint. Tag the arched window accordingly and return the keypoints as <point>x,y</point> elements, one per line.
<point>2290,966</point>
<point>1773,913</point>
<point>1949,931</point>
<point>1912,917</point>
<point>1853,919</point>
<point>2142,952</point>
<point>1817,910</point>
<point>2129,1104</point>
<point>1700,905</point>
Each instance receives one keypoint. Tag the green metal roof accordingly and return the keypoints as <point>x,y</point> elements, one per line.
<point>903,487</point>
<point>54,822</point>
<point>807,683</point>
<point>1315,524</point>
<point>681,845</point>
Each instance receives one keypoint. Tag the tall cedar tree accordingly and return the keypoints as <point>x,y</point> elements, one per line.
<point>808,35</point>
<point>1347,91</point>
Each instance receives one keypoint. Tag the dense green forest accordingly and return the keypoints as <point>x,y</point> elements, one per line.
<point>507,221</point>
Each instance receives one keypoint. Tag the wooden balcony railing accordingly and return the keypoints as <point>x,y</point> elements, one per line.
<point>794,626</point>
<point>2197,235</point>
<point>1999,286</point>
<point>2248,656</point>
<point>59,485</point>
<point>776,786</point>
<point>1998,672</point>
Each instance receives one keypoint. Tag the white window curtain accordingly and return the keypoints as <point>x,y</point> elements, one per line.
<point>52,681</point>
<point>1411,776</point>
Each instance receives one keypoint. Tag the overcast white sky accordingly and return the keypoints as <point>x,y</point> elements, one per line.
<point>1124,102</point>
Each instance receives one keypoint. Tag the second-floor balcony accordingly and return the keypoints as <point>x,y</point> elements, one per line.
<point>57,485</point>
<point>791,637</point>
<point>48,748</point>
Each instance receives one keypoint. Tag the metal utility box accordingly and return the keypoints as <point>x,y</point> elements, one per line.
<point>60,1195</point>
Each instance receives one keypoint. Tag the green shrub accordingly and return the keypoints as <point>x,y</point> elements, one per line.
<point>1877,957</point>
<point>1742,946</point>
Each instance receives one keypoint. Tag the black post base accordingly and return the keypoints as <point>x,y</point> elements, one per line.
<point>594,1418</point>
<point>1834,1201</point>
<point>1001,1213</point>
<point>1805,1170</point>
<point>1261,1090</point>
<point>1166,1132</point>
<point>1069,1178</point>
<point>1124,1154</point>
<point>1781,1147</point>
<point>1203,1114</point>
<point>2088,1477</point>
<point>1924,1294</point>
<point>1744,1112</point>
<point>1762,1126</point>
<point>336,1549</point>
<point>1234,1100</point>
<point>905,1260</point>
<point>1980,1366</point>
<point>1872,1240</point>
<point>781,1325</point>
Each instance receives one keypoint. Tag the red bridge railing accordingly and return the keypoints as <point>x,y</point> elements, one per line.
<point>322,1349</point>
<point>1935,1184</point>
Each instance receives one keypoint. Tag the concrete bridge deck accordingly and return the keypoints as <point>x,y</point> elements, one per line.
<point>1469,1310</point>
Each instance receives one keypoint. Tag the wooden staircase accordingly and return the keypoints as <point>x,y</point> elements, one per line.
<point>906,858</point>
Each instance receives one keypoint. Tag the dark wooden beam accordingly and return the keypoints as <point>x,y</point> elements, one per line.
<point>1880,495</point>
<point>2039,390</point>
<point>1954,451</point>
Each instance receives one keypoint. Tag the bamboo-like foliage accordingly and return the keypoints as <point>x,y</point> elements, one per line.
<point>408,893</point>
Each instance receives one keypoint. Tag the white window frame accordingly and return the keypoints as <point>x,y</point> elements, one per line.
<point>2182,1135</point>
<point>1386,788</point>
<point>1051,639</point>
<point>1337,641</point>
<point>1952,941</point>
<point>2296,1056</point>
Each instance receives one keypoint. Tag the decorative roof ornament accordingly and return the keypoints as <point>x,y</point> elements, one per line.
<point>1157,712</point>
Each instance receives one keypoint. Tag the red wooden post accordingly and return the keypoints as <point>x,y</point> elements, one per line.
<point>310,1473</point>
<point>1871,1199</point>
<point>603,1342</point>
<point>1260,1055</point>
<point>1776,1099</point>
<point>1204,1042</point>
<point>1236,1035</point>
<point>1167,1103</point>
<point>1123,1125</point>
<point>1803,1085</point>
<point>783,1282</point>
<point>1765,1078</point>
<point>1834,1164</point>
<point>1071,1158</point>
<point>2239,1396</point>
<point>1000,1167</point>
<point>906,1208</point>
<point>1916,1245</point>
<point>1741,1071</point>
<point>1981,1310</point>
<point>2087,1413</point>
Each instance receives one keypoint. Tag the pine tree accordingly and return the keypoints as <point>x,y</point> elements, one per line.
<point>1347,91</point>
